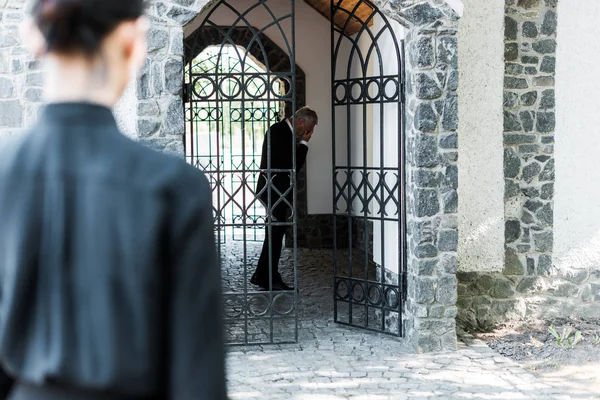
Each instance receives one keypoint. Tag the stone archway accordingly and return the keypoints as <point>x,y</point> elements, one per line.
<point>153,111</point>
<point>431,120</point>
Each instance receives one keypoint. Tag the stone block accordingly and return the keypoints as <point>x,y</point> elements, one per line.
<point>511,188</point>
<point>449,263</point>
<point>510,100</point>
<point>530,266</point>
<point>449,341</point>
<point>426,178</point>
<point>173,123</point>
<point>548,99</point>
<point>35,79</point>
<point>530,60</point>
<point>450,201</point>
<point>425,267</point>
<point>512,163</point>
<point>564,289</point>
<point>595,291</point>
<point>531,70</point>
<point>529,98</point>
<point>426,203</point>
<point>530,171</point>
<point>7,88</point>
<point>545,46</point>
<point>511,51</point>
<point>543,241</point>
<point>515,83</point>
<point>513,265</point>
<point>482,284</point>
<point>426,87</point>
<point>530,29</point>
<point>11,114</point>
<point>543,81</point>
<point>173,76</point>
<point>421,52</point>
<point>531,285</point>
<point>511,122</point>
<point>503,310</point>
<point>425,118</point>
<point>451,312</point>
<point>181,15</point>
<point>34,95</point>
<point>526,118</point>
<point>177,44</point>
<point>548,65</point>
<point>424,290</point>
<point>452,83</point>
<point>448,51</point>
<point>511,28</point>
<point>512,231</point>
<point>545,267</point>
<point>513,69</point>
<point>426,251</point>
<point>451,177</point>
<point>428,343</point>
<point>547,173</point>
<point>519,139</point>
<point>448,141</point>
<point>447,290</point>
<point>527,218</point>
<point>529,149</point>
<point>545,215</point>
<point>422,14</point>
<point>148,109</point>
<point>550,23</point>
<point>436,311</point>
<point>503,289</point>
<point>528,4</point>
<point>576,276</point>
<point>547,191</point>
<point>146,128</point>
<point>450,118</point>
<point>426,152</point>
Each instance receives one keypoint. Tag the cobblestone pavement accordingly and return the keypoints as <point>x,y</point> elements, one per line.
<point>333,362</point>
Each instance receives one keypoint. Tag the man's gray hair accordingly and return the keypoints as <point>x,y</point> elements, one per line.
<point>307,113</point>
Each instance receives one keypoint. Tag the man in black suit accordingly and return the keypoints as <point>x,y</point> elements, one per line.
<point>281,156</point>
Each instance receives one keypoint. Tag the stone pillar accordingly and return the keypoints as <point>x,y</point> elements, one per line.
<point>431,125</point>
<point>529,123</point>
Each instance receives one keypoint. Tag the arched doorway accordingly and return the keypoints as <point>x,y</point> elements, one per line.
<point>237,83</point>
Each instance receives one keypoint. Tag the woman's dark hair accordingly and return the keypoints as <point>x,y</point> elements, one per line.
<point>71,26</point>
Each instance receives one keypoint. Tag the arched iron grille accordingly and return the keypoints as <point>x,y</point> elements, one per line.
<point>368,168</point>
<point>228,94</point>
<point>231,119</point>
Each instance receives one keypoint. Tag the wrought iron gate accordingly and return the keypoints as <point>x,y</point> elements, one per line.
<point>368,168</point>
<point>229,104</point>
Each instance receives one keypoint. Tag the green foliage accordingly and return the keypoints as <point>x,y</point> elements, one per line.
<point>568,337</point>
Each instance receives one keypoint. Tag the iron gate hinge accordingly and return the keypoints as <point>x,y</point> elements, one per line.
<point>187,92</point>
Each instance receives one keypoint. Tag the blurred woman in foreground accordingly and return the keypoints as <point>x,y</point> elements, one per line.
<point>110,286</point>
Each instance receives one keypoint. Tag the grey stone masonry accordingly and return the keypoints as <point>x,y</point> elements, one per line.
<point>20,76</point>
<point>431,121</point>
<point>530,286</point>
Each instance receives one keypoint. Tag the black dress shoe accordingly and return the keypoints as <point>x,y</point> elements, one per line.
<point>263,283</point>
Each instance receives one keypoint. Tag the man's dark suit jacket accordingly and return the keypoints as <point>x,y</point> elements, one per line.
<point>282,158</point>
<point>108,270</point>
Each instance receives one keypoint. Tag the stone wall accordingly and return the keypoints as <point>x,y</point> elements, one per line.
<point>529,286</point>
